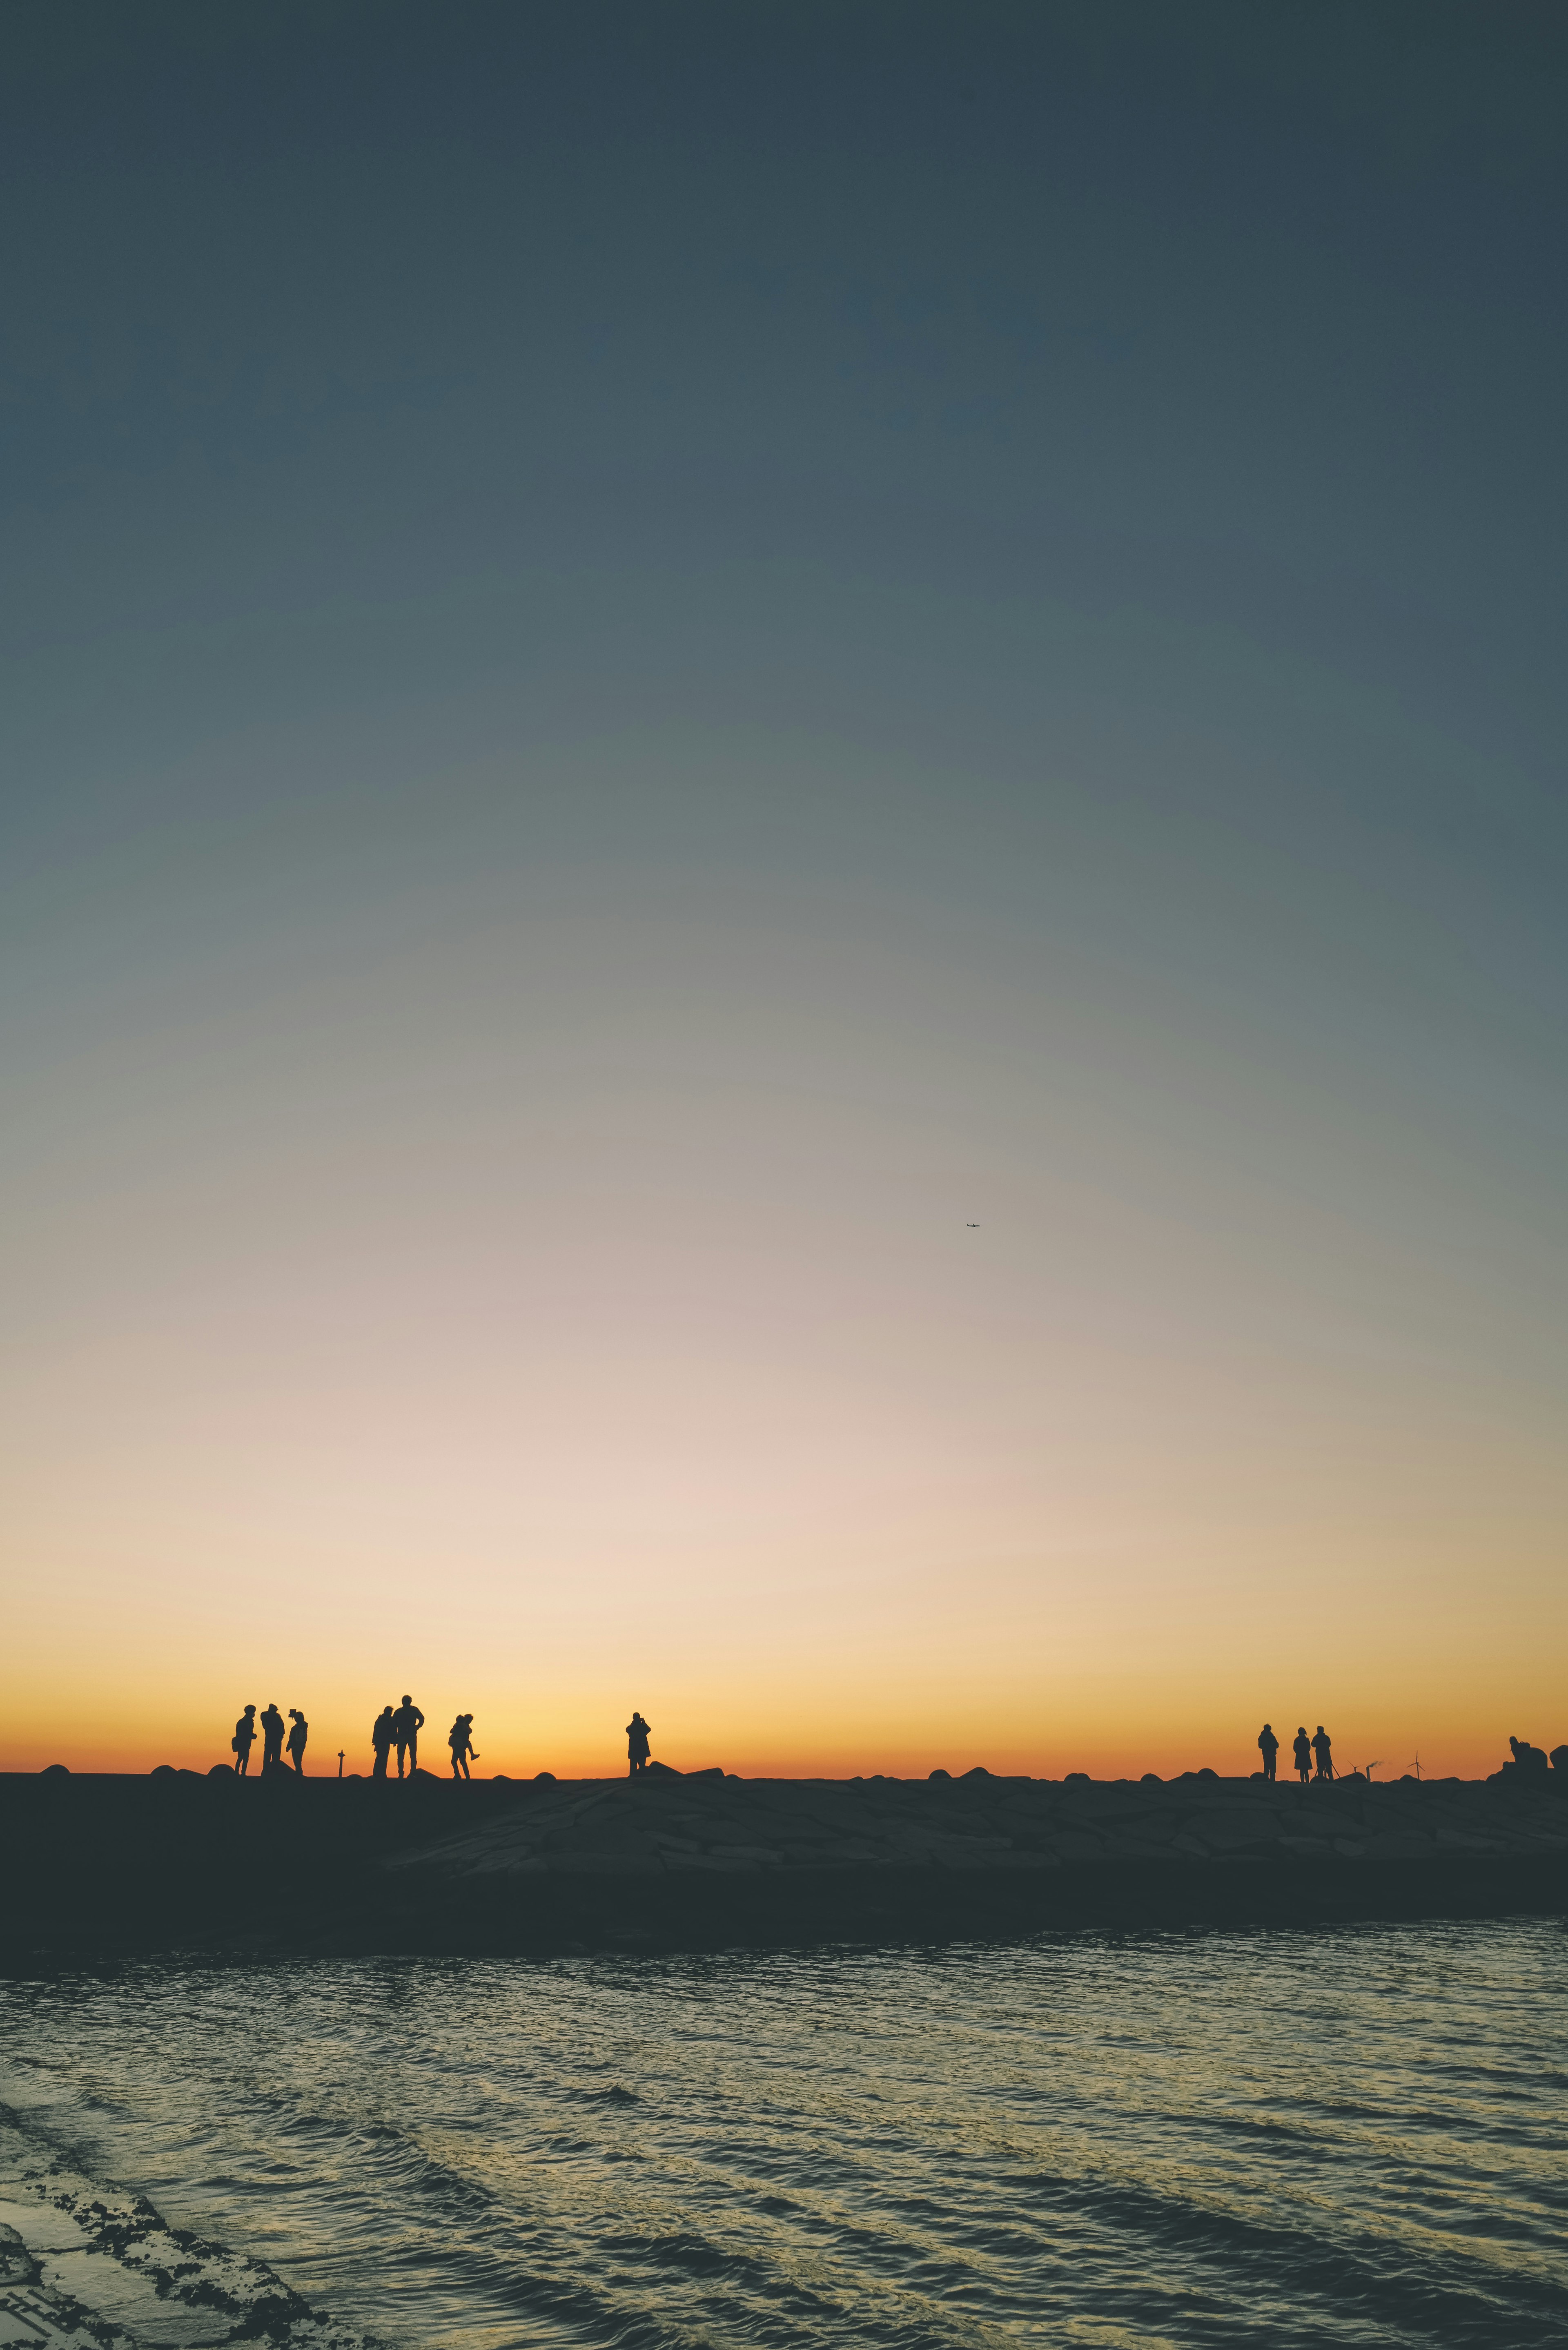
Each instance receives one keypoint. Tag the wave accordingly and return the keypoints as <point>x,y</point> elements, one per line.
<point>85,2261</point>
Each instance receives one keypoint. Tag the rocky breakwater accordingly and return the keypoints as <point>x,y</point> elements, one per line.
<point>671,1862</point>
<point>99,1867</point>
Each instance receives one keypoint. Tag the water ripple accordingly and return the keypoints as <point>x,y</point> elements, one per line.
<point>1351,2138</point>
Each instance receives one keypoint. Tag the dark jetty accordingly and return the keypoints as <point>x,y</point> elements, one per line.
<point>100,1868</point>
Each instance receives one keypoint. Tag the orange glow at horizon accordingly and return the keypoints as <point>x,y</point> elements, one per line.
<point>1455,1724</point>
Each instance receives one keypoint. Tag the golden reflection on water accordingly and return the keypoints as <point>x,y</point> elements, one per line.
<point>1353,2137</point>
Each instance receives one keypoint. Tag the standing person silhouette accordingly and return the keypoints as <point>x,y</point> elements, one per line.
<point>407,1723</point>
<point>1323,1747</point>
<point>271,1735</point>
<point>460,1739</point>
<point>1268,1747</point>
<point>1302,1750</point>
<point>382,1736</point>
<point>243,1739</point>
<point>297,1738</point>
<point>637,1732</point>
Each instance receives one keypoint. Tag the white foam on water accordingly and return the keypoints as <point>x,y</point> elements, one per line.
<point>86,2263</point>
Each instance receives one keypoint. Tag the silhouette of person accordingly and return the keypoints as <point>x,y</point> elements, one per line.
<point>407,1723</point>
<point>637,1732</point>
<point>1268,1747</point>
<point>460,1739</point>
<point>1302,1750</point>
<point>297,1738</point>
<point>1323,1746</point>
<point>382,1734</point>
<point>243,1739</point>
<point>271,1735</point>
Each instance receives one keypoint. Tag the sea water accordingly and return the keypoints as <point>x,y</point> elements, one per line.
<point>1353,2137</point>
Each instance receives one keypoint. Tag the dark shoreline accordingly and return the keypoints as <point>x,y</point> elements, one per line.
<point>103,1869</point>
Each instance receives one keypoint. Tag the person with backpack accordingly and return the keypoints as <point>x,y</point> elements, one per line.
<point>1321,1746</point>
<point>459,1738</point>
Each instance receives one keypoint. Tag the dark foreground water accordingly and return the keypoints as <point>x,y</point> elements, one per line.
<point>1351,2136</point>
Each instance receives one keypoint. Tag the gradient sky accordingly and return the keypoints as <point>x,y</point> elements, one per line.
<point>783,879</point>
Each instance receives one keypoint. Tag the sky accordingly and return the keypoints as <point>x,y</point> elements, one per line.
<point>783,848</point>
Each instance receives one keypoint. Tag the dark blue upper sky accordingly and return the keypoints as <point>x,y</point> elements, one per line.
<point>1253,315</point>
<point>1132,436</point>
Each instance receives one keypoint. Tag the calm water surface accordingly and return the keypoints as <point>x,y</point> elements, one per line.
<point>1356,2136</point>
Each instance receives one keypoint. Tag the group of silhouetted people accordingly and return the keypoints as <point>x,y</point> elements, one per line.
<point>273,1739</point>
<point>1313,1756</point>
<point>396,1729</point>
<point>399,1726</point>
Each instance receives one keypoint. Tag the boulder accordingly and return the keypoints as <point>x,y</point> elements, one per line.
<point>18,2267</point>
